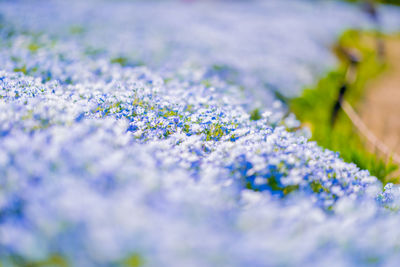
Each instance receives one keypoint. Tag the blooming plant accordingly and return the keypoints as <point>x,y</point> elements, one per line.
<point>142,160</point>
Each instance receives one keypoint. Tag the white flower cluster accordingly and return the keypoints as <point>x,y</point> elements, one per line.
<point>107,164</point>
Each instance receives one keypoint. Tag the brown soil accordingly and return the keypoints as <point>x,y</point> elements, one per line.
<point>380,109</point>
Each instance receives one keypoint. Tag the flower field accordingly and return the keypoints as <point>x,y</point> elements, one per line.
<point>148,133</point>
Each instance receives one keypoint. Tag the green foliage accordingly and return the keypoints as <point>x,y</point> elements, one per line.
<point>21,69</point>
<point>123,61</point>
<point>134,260</point>
<point>391,2</point>
<point>206,83</point>
<point>215,132</point>
<point>314,109</point>
<point>255,115</point>
<point>169,113</point>
<point>33,47</point>
<point>126,61</point>
<point>54,260</point>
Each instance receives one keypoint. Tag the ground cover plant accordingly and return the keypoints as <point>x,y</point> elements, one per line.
<point>141,141</point>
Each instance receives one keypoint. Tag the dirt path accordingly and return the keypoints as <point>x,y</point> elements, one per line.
<point>380,109</point>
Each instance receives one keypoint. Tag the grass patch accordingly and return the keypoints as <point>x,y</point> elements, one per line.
<point>314,108</point>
